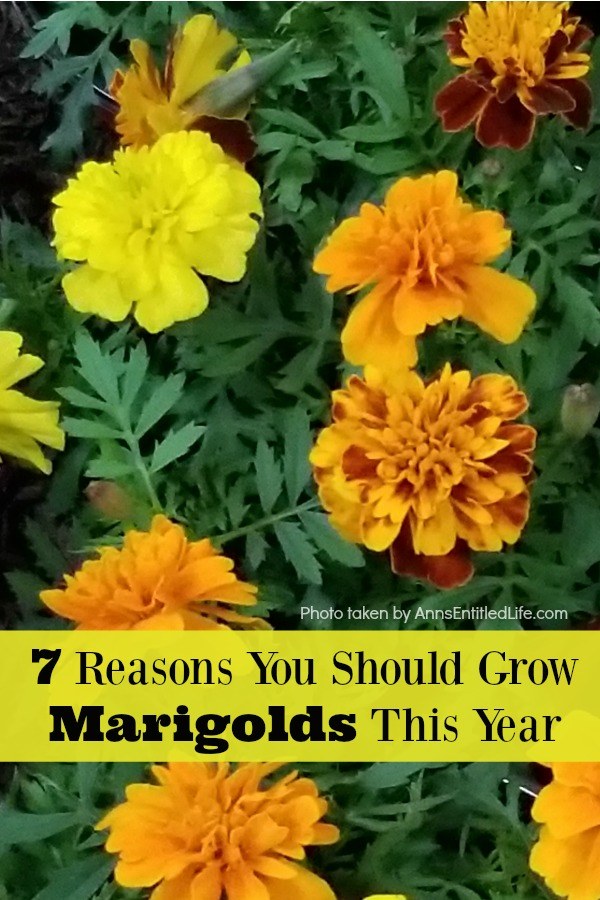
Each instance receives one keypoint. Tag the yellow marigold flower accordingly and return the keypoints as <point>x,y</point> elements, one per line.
<point>427,470</point>
<point>524,60</point>
<point>24,423</point>
<point>145,224</point>
<point>158,581</point>
<point>152,103</point>
<point>208,832</point>
<point>423,255</point>
<point>566,854</point>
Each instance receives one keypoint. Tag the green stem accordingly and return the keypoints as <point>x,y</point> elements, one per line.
<point>145,477</point>
<point>264,523</point>
<point>138,460</point>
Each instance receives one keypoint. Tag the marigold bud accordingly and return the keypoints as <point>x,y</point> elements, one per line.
<point>228,95</point>
<point>580,409</point>
<point>109,499</point>
<point>491,167</point>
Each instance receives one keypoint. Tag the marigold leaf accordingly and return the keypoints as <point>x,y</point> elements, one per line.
<point>299,551</point>
<point>56,29</point>
<point>108,469</point>
<point>78,398</point>
<point>20,828</point>
<point>175,445</point>
<point>327,539</point>
<point>297,444</point>
<point>581,535</point>
<point>269,480</point>
<point>238,358</point>
<point>69,134</point>
<point>378,133</point>
<point>580,309</point>
<point>135,373</point>
<point>382,67</point>
<point>87,428</point>
<point>26,587</point>
<point>50,559</point>
<point>79,881</point>
<point>97,369</point>
<point>386,775</point>
<point>285,118</point>
<point>256,549</point>
<point>160,402</point>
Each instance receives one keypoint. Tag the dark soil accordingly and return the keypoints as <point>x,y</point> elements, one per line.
<point>26,180</point>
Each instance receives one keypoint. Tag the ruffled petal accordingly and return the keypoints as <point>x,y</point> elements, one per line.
<point>460,102</point>
<point>507,124</point>
<point>548,97</point>
<point>496,302</point>
<point>370,335</point>
<point>305,886</point>
<point>90,290</point>
<point>581,114</point>
<point>179,295</point>
<point>445,572</point>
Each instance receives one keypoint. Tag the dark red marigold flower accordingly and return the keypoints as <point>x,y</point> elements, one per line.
<point>523,60</point>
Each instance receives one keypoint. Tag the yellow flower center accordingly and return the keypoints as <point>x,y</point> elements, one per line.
<point>512,36</point>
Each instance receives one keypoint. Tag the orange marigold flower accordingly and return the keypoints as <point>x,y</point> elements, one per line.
<point>523,60</point>
<point>207,832</point>
<point>424,256</point>
<point>158,580</point>
<point>427,470</point>
<point>152,103</point>
<point>566,854</point>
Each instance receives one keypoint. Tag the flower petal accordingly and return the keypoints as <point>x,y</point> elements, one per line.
<point>198,56</point>
<point>507,124</point>
<point>179,295</point>
<point>460,102</point>
<point>569,866</point>
<point>496,302</point>
<point>208,884</point>
<point>436,535</point>
<point>416,309</point>
<point>234,135</point>
<point>547,97</point>
<point>371,336</point>
<point>445,572</point>
<point>581,93</point>
<point>175,889</point>
<point>89,290</point>
<point>240,883</point>
<point>566,810</point>
<point>305,886</point>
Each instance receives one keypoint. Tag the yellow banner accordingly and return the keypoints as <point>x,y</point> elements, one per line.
<point>309,696</point>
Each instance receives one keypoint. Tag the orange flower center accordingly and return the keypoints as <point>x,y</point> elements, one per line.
<point>430,448</point>
<point>212,831</point>
<point>423,247</point>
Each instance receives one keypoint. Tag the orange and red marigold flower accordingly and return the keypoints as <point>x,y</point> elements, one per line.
<point>424,257</point>
<point>566,854</point>
<point>208,832</point>
<point>524,59</point>
<point>158,580</point>
<point>427,470</point>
